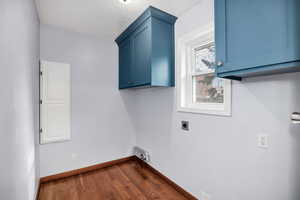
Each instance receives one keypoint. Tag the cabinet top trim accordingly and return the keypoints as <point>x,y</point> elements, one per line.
<point>150,12</point>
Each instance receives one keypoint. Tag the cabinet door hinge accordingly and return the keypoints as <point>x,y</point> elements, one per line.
<point>41,101</point>
<point>41,73</point>
<point>41,130</point>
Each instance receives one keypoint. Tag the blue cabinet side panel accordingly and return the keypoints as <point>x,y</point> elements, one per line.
<point>162,53</point>
<point>124,63</point>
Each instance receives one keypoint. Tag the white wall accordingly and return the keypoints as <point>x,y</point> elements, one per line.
<point>219,155</point>
<point>101,126</point>
<point>19,55</point>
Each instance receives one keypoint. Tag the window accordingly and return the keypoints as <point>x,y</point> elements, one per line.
<point>198,89</point>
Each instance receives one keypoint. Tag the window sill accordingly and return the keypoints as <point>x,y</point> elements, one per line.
<point>224,113</point>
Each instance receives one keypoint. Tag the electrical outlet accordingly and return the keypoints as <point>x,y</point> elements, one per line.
<point>141,154</point>
<point>263,141</point>
<point>205,196</point>
<point>185,125</point>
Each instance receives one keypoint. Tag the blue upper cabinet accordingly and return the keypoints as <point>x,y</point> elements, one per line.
<point>255,37</point>
<point>146,51</point>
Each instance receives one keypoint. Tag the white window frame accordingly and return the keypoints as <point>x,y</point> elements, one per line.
<point>184,83</point>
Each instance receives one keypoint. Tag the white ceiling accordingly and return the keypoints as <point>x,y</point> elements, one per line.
<point>103,18</point>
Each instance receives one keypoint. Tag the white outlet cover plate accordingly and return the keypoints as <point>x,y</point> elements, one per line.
<point>263,141</point>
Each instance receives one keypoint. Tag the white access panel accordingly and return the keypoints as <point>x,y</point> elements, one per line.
<point>55,90</point>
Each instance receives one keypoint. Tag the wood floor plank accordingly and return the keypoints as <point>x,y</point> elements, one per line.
<point>105,184</point>
<point>141,182</point>
<point>61,189</point>
<point>88,188</point>
<point>123,184</point>
<point>166,189</point>
<point>153,186</point>
<point>45,192</point>
<point>124,181</point>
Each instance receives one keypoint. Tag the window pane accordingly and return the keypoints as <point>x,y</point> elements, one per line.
<point>204,58</point>
<point>208,89</point>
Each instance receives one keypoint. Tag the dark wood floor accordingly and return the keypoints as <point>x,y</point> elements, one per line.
<point>126,181</point>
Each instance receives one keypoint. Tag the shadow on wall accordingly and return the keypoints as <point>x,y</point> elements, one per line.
<point>295,172</point>
<point>129,102</point>
<point>295,134</point>
<point>284,98</point>
<point>149,121</point>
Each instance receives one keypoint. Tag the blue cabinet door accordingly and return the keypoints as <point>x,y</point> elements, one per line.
<point>124,63</point>
<point>140,72</point>
<point>256,33</point>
